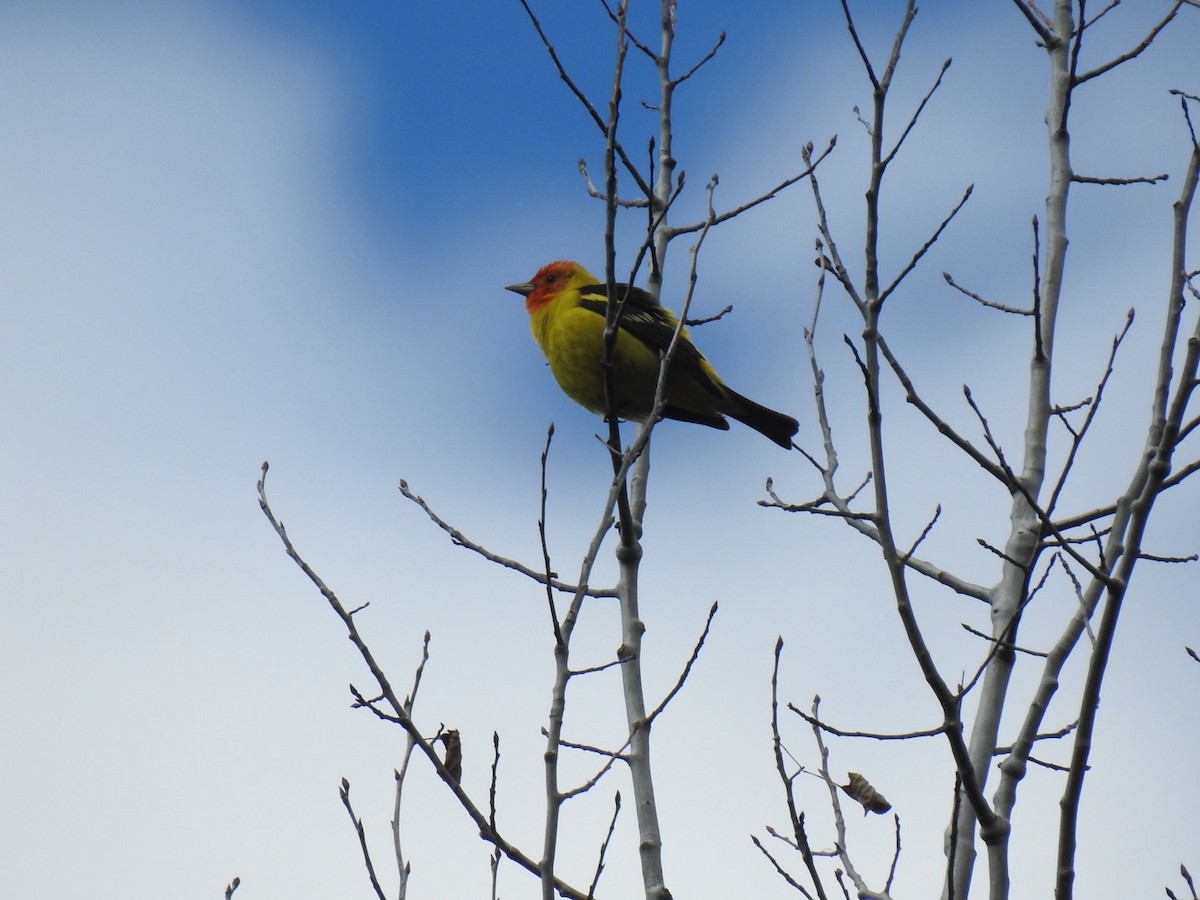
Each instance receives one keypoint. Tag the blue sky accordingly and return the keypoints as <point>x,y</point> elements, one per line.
<point>237,232</point>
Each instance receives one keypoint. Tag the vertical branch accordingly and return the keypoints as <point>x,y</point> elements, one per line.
<point>629,549</point>
<point>403,867</point>
<point>620,496</point>
<point>1124,545</point>
<point>629,554</point>
<point>613,309</point>
<point>666,158</point>
<point>799,834</point>
<point>554,797</point>
<point>1021,548</point>
<point>973,773</point>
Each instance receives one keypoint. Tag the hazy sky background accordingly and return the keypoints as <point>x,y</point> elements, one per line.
<point>232,232</point>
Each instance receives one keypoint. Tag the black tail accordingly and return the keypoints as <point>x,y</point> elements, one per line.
<point>767,422</point>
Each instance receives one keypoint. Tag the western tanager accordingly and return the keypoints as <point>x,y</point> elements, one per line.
<point>567,304</point>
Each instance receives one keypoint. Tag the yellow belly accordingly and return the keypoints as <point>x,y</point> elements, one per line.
<point>573,340</point>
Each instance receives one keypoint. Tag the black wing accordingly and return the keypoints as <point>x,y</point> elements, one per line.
<point>648,321</point>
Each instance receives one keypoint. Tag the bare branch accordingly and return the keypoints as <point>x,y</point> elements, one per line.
<point>1113,4</point>
<point>582,97</point>
<point>1092,537</point>
<point>862,51</point>
<point>597,194</point>
<point>916,258</point>
<point>1085,609</point>
<point>1187,429</point>
<point>937,514</point>
<point>1138,179</point>
<point>1134,52</point>
<point>796,817</point>
<point>910,13</point>
<point>834,264</point>
<point>615,755</point>
<point>693,323</point>
<point>614,16</point>
<point>1060,413</point>
<point>403,868</point>
<point>1133,512</point>
<point>397,706</point>
<point>835,803</point>
<point>937,421</point>
<point>463,541</point>
<point>783,873</point>
<point>1037,21</point>
<point>1151,557</point>
<point>1184,97</point>
<point>810,167</point>
<point>1181,474</point>
<point>841,505</point>
<point>989,303</point>
<point>810,334</point>
<point>494,780</point>
<point>1017,485</point>
<point>612,827</point>
<point>707,56</point>
<point>916,114</point>
<point>344,793</point>
<point>987,637</point>
<point>887,887</point>
<point>712,612</point>
<point>871,735</point>
<point>1045,736</point>
<point>1003,641</point>
<point>611,758</point>
<point>603,667</point>
<point>541,523</point>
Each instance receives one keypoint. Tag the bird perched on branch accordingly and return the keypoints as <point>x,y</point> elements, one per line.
<point>567,306</point>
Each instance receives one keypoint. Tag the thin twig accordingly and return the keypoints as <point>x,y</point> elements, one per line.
<point>403,867</point>
<point>1017,311</point>
<point>704,59</point>
<point>933,238</point>
<point>783,873</point>
<point>862,51</point>
<point>720,218</point>
<point>612,827</point>
<point>872,735</point>
<point>582,98</point>
<point>494,780</point>
<point>541,523</point>
<point>1134,52</point>
<point>835,803</point>
<point>1041,654</point>
<point>344,793</point>
<point>387,692</point>
<point>796,817</point>
<point>937,514</point>
<point>687,669</point>
<point>462,540</point>
<point>887,886</point>
<point>912,121</point>
<point>1113,180</point>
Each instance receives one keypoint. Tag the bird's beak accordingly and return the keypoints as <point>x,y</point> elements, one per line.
<point>523,289</point>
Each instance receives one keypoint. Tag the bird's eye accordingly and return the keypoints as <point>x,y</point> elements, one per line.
<point>550,279</point>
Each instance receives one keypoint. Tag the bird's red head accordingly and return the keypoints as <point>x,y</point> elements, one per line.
<point>550,280</point>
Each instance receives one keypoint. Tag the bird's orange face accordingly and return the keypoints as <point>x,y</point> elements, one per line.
<point>547,283</point>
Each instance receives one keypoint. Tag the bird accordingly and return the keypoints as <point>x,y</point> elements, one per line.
<point>567,306</point>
